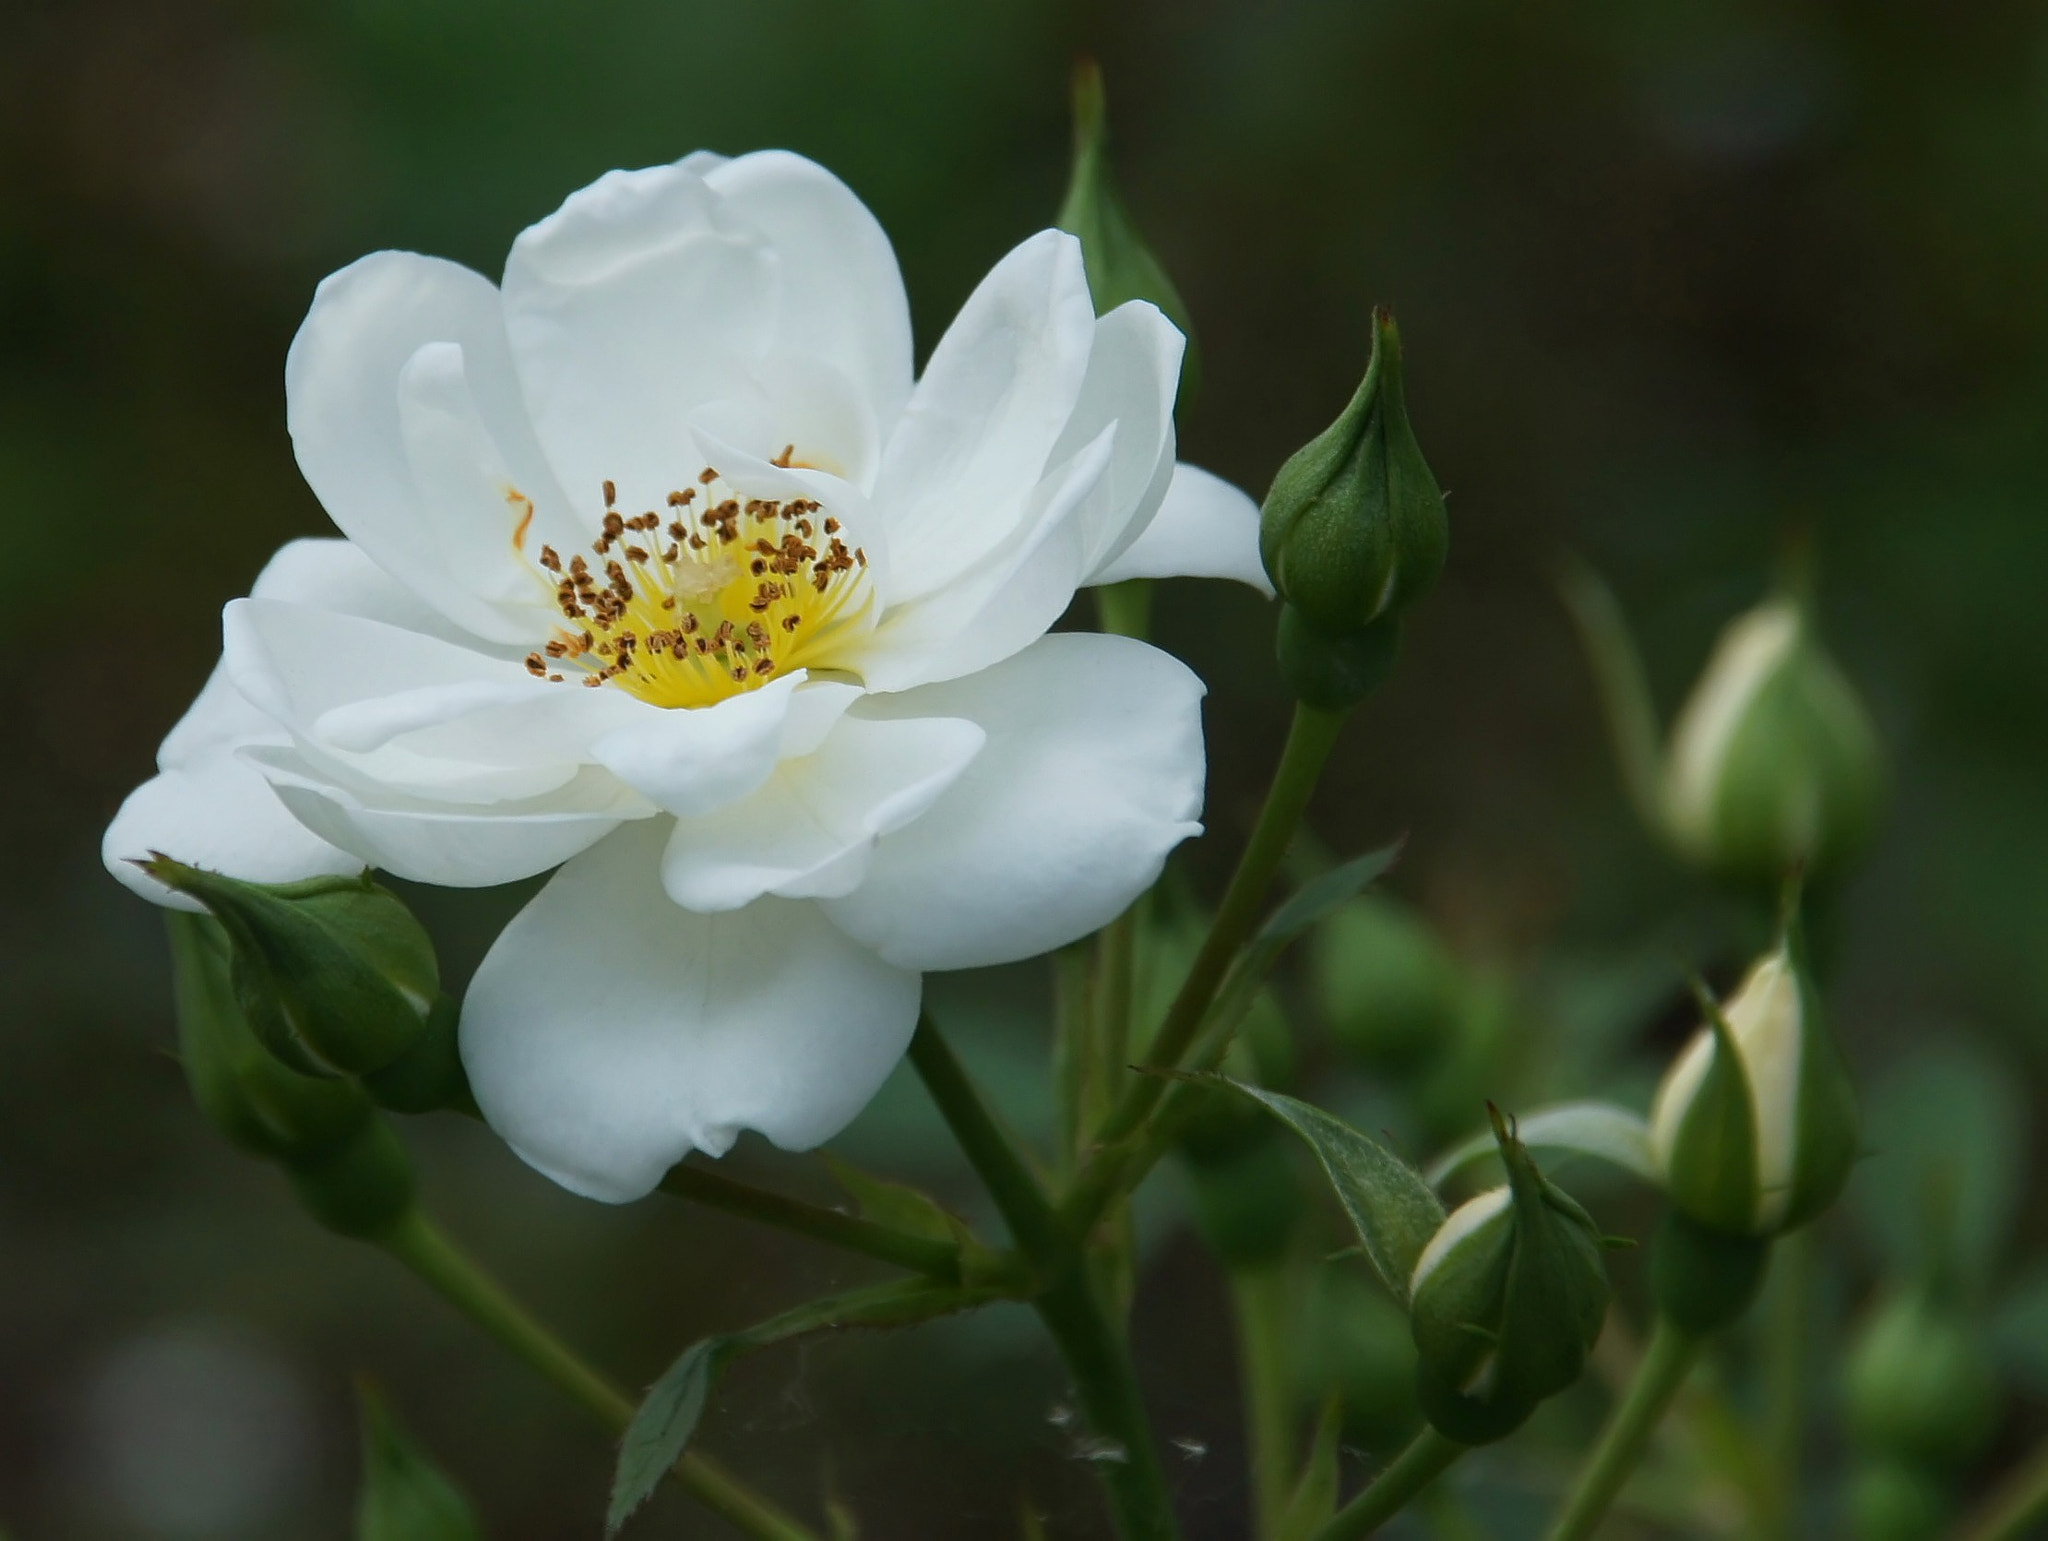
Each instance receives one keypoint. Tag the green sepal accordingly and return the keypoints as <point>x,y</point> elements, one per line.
<point>1120,266</point>
<point>257,1104</point>
<point>1354,527</point>
<point>1825,1147</point>
<point>1711,1174</point>
<point>404,1496</point>
<point>334,974</point>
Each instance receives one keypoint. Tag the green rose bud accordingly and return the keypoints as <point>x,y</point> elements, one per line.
<point>1921,1383</point>
<point>1354,530</point>
<point>1119,265</point>
<point>1247,1198</point>
<point>334,974</point>
<point>257,1104</point>
<point>1754,1126</point>
<point>348,1167</point>
<point>1390,991</point>
<point>1773,764</point>
<point>1506,1302</point>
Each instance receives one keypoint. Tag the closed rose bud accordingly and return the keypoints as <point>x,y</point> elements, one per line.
<point>1773,763</point>
<point>1389,989</point>
<point>1921,1383</point>
<point>1754,1126</point>
<point>333,973</point>
<point>1354,529</point>
<point>1506,1302</point>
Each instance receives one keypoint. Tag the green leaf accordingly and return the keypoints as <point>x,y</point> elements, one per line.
<point>662,1426</point>
<point>897,1205</point>
<point>1623,686</point>
<point>1314,1498</point>
<point>1598,1129</point>
<point>1393,1210</point>
<point>404,1495</point>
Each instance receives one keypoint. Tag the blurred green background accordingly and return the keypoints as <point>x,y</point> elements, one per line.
<point>1675,280</point>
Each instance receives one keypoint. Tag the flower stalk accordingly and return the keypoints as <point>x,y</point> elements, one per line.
<point>1095,1353</point>
<point>1427,1457</point>
<point>1663,1369</point>
<point>421,1246</point>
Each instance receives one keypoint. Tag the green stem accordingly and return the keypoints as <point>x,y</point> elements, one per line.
<point>920,1254</point>
<point>2016,1506</point>
<point>1425,1459</point>
<point>1073,1313</point>
<point>1784,1421</point>
<point>421,1246</point>
<point>1309,741</point>
<point>1665,1362</point>
<point>1116,956</point>
<point>1261,1300</point>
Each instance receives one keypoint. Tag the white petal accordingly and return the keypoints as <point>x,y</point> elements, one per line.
<point>638,300</point>
<point>980,428</point>
<point>692,761</point>
<point>983,617</point>
<point>1205,528</point>
<point>1091,775</point>
<point>608,1033</point>
<point>216,813</point>
<point>808,831</point>
<point>839,293</point>
<point>342,402</point>
<point>446,843</point>
<point>1133,375</point>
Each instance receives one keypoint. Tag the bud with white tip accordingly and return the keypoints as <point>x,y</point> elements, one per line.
<point>1506,1301</point>
<point>1773,762</point>
<point>1754,1127</point>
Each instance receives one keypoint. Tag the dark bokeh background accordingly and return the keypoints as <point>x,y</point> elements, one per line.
<point>1674,280</point>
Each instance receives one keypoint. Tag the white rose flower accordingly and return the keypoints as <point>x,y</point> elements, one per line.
<point>661,567</point>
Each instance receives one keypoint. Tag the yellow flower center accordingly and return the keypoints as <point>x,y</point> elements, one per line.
<point>716,597</point>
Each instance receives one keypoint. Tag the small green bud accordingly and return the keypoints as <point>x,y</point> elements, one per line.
<point>1754,1126</point>
<point>334,974</point>
<point>1773,764</point>
<point>1389,990</point>
<point>1333,673</point>
<point>1921,1383</point>
<point>1891,1501</point>
<point>1119,264</point>
<point>1247,1197</point>
<point>1354,530</point>
<point>1506,1302</point>
<point>257,1104</point>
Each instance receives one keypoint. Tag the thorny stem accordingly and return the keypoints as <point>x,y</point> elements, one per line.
<point>1073,1313</point>
<point>1404,1478</point>
<point>422,1247</point>
<point>1662,1371</point>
